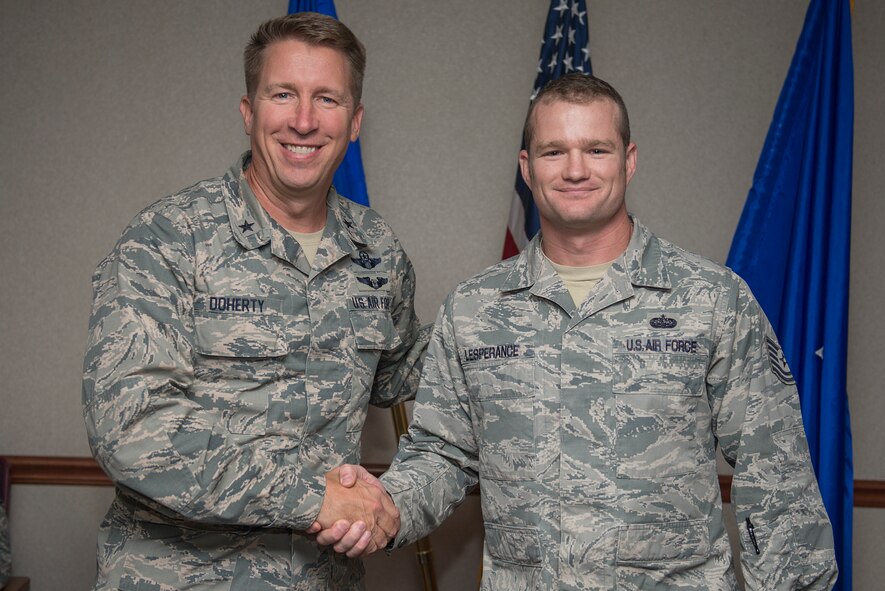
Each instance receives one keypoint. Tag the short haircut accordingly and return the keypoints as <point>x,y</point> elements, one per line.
<point>579,89</point>
<point>311,28</point>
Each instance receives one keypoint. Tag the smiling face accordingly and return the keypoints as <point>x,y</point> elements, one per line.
<point>300,121</point>
<point>577,166</point>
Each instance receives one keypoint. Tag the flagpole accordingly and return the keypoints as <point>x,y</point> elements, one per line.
<point>422,546</point>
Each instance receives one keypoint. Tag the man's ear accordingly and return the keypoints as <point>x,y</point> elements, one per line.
<point>630,161</point>
<point>524,168</point>
<point>246,112</point>
<point>356,123</point>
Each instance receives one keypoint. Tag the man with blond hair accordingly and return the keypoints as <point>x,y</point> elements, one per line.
<point>239,330</point>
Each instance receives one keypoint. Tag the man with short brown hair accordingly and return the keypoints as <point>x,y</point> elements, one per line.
<point>585,385</point>
<point>240,328</point>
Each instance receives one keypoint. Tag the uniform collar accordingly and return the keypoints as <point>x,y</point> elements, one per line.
<point>343,235</point>
<point>643,264</point>
<point>253,227</point>
<point>250,224</point>
<point>645,261</point>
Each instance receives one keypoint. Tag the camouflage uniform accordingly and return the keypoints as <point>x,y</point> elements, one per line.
<point>592,430</point>
<point>224,376</point>
<point>5,553</point>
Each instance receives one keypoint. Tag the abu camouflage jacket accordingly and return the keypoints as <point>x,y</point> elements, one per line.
<point>592,430</point>
<point>224,376</point>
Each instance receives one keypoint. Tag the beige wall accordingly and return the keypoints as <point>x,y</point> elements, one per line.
<point>106,106</point>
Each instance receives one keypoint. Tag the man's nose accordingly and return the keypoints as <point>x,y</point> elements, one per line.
<point>576,167</point>
<point>303,118</point>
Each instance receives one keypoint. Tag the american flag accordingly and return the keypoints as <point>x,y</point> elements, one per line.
<point>565,48</point>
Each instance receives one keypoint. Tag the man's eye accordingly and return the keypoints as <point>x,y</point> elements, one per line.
<point>551,153</point>
<point>282,95</point>
<point>327,100</point>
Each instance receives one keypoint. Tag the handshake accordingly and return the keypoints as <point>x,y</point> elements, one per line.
<point>358,517</point>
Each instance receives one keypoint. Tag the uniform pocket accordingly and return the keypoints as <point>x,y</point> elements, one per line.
<point>374,333</point>
<point>374,330</point>
<point>241,345</point>
<point>515,545</point>
<point>162,556</point>
<point>503,395</point>
<point>656,399</point>
<point>662,556</point>
<point>515,558</point>
<point>654,542</point>
<point>253,333</point>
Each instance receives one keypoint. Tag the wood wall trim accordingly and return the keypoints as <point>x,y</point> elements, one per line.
<point>56,470</point>
<point>78,471</point>
<point>869,493</point>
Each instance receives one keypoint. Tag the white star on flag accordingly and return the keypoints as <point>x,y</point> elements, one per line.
<point>580,15</point>
<point>558,34</point>
<point>552,64</point>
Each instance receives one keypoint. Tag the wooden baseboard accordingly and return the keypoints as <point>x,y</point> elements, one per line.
<point>17,584</point>
<point>56,470</point>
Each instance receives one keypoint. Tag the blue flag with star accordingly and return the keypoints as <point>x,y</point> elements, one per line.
<point>349,180</point>
<point>565,48</point>
<point>792,247</point>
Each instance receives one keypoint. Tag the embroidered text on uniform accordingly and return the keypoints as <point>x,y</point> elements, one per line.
<point>496,352</point>
<point>220,304</point>
<point>370,302</point>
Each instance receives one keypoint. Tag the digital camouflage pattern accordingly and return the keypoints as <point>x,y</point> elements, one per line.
<point>592,430</point>
<point>224,376</point>
<point>5,552</point>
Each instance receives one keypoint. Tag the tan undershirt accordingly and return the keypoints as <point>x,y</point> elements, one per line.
<point>309,243</point>
<point>580,280</point>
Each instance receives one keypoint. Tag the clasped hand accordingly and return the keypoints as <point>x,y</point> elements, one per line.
<point>357,517</point>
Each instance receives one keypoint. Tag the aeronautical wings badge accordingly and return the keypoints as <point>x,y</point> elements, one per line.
<point>373,282</point>
<point>365,261</point>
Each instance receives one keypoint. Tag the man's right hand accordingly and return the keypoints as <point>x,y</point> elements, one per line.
<point>357,515</point>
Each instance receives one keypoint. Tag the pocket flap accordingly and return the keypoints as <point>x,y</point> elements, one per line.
<point>374,330</point>
<point>519,545</point>
<point>673,375</point>
<point>501,379</point>
<point>675,540</point>
<point>244,330</point>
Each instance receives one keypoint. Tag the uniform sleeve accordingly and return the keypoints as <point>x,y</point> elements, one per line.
<point>399,369</point>
<point>144,425</point>
<point>437,459</point>
<point>786,538</point>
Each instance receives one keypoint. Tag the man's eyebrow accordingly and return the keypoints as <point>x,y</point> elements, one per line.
<point>586,143</point>
<point>278,86</point>
<point>342,97</point>
<point>595,143</point>
<point>548,145</point>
